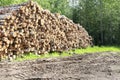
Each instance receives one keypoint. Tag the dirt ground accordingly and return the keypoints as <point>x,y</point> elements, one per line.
<point>99,66</point>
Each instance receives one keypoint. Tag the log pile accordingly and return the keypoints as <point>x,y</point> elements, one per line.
<point>28,28</point>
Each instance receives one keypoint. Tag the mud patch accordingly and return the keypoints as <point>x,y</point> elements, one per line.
<point>98,66</point>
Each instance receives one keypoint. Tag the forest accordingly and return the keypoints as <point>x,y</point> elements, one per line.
<point>99,17</point>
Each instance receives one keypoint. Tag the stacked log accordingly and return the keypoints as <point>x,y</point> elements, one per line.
<point>28,28</point>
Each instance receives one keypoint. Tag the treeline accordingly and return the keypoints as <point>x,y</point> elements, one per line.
<point>101,18</point>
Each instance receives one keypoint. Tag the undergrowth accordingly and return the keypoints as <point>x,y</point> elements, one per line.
<point>94,49</point>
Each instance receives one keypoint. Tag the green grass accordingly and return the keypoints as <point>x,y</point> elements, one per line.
<point>97,49</point>
<point>94,49</point>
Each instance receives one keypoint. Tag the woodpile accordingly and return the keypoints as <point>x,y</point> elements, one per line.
<point>28,28</point>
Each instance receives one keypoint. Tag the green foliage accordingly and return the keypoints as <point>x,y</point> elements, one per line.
<point>94,49</point>
<point>101,19</point>
<point>56,6</point>
<point>10,2</point>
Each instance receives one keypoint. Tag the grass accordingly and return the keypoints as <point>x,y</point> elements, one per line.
<point>97,49</point>
<point>94,49</point>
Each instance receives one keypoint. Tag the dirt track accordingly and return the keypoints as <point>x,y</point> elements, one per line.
<point>99,66</point>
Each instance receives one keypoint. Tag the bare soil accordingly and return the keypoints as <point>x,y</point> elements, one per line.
<point>99,66</point>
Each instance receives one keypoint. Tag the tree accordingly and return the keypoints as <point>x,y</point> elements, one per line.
<point>101,19</point>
